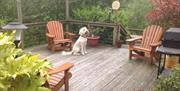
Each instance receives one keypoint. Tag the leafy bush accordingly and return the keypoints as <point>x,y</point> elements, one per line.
<point>2,22</point>
<point>120,17</point>
<point>165,12</point>
<point>20,71</point>
<point>34,36</point>
<point>95,13</point>
<point>101,14</point>
<point>136,11</point>
<point>96,31</point>
<point>170,83</point>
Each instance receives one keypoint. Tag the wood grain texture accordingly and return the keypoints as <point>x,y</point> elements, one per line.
<point>104,68</point>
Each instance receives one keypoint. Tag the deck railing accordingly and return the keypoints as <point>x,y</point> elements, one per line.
<point>35,34</point>
<point>40,29</point>
<point>135,31</point>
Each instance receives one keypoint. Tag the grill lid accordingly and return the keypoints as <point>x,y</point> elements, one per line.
<point>172,38</point>
<point>173,34</point>
<point>171,42</point>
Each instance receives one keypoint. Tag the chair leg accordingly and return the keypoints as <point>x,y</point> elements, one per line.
<point>70,46</point>
<point>53,48</point>
<point>130,54</point>
<point>66,81</point>
<point>156,56</point>
<point>151,58</point>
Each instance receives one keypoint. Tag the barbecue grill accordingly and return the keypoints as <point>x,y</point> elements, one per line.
<point>170,46</point>
<point>171,42</point>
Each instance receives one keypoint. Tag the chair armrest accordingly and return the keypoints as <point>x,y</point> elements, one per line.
<point>70,34</point>
<point>62,41</point>
<point>64,67</point>
<point>49,35</point>
<point>155,44</point>
<point>134,39</point>
<point>134,36</point>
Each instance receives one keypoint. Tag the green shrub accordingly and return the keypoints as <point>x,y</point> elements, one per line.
<point>35,36</point>
<point>120,17</point>
<point>3,21</point>
<point>96,31</point>
<point>169,83</point>
<point>20,71</point>
<point>136,11</point>
<point>101,14</point>
<point>95,13</point>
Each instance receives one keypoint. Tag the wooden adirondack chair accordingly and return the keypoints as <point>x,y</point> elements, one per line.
<point>59,76</point>
<point>55,36</point>
<point>149,41</point>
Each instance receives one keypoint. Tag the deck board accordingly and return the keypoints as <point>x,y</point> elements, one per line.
<point>104,68</point>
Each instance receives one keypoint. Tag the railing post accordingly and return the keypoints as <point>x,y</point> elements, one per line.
<point>88,26</point>
<point>67,13</point>
<point>118,33</point>
<point>115,35</point>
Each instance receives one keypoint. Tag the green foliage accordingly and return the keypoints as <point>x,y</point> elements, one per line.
<point>20,71</point>
<point>120,17</point>
<point>95,13</point>
<point>33,10</point>
<point>131,13</point>
<point>34,36</point>
<point>106,35</point>
<point>97,31</point>
<point>136,11</point>
<point>8,10</point>
<point>100,14</point>
<point>170,83</point>
<point>3,21</point>
<point>42,10</point>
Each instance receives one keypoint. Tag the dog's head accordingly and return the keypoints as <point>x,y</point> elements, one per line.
<point>84,32</point>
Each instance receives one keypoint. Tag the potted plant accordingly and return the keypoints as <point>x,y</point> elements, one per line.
<point>93,39</point>
<point>20,71</point>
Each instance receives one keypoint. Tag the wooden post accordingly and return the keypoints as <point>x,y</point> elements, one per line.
<point>19,11</point>
<point>20,19</point>
<point>115,35</point>
<point>118,33</point>
<point>67,13</point>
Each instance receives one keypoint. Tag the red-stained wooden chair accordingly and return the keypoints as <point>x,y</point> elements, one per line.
<point>149,41</point>
<point>59,76</point>
<point>55,36</point>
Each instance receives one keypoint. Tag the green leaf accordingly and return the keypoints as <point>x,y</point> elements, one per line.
<point>20,71</point>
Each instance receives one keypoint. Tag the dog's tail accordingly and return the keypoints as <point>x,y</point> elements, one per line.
<point>67,53</point>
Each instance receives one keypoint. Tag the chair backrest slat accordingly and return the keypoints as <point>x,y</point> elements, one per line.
<point>152,34</point>
<point>56,28</point>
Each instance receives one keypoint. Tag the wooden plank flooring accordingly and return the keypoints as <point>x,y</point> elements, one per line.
<point>104,68</point>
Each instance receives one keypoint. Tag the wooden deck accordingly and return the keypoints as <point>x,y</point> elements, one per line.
<point>104,68</point>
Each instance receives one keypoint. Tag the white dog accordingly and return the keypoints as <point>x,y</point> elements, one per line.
<point>80,44</point>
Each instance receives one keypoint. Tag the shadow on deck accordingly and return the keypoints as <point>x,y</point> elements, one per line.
<point>104,68</point>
